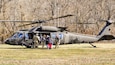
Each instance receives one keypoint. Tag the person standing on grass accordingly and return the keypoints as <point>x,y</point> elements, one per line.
<point>57,42</point>
<point>36,40</point>
<point>49,42</point>
<point>43,40</point>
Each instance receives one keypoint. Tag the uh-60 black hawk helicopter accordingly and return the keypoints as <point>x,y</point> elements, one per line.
<point>25,37</point>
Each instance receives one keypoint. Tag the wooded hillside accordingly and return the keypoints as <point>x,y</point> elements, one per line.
<point>83,11</point>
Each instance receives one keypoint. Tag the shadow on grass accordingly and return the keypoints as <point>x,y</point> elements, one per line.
<point>27,48</point>
<point>69,46</point>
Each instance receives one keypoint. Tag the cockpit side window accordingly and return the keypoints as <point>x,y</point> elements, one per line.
<point>20,35</point>
<point>26,36</point>
<point>14,35</point>
<point>17,35</point>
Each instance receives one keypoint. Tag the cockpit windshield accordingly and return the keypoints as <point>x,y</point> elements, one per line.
<point>17,35</point>
<point>20,35</point>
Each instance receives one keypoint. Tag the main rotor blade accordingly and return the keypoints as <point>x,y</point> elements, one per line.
<point>24,25</point>
<point>60,17</point>
<point>86,23</point>
<point>35,22</point>
<point>42,21</point>
<point>29,23</point>
<point>13,21</point>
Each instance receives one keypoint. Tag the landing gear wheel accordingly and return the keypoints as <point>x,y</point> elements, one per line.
<point>28,46</point>
<point>94,46</point>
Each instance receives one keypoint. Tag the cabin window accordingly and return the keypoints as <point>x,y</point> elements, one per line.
<point>53,35</point>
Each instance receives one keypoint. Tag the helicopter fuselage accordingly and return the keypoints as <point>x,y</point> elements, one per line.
<point>25,38</point>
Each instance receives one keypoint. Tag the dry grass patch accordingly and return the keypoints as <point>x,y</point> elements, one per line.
<point>73,54</point>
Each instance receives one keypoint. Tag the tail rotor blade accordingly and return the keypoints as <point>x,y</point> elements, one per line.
<point>103,20</point>
<point>109,15</point>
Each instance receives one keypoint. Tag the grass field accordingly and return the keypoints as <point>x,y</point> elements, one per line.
<point>71,54</point>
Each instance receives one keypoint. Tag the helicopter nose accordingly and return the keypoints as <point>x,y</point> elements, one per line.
<point>7,42</point>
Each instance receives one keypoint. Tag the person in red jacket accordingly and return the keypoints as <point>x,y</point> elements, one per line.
<point>49,42</point>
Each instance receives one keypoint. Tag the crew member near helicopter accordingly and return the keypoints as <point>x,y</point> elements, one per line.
<point>43,40</point>
<point>36,40</point>
<point>57,41</point>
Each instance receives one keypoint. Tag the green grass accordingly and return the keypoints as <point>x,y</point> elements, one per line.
<point>73,54</point>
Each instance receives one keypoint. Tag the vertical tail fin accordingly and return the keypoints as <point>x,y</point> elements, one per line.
<point>105,34</point>
<point>106,29</point>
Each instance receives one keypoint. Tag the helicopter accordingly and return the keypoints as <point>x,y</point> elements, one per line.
<point>25,37</point>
